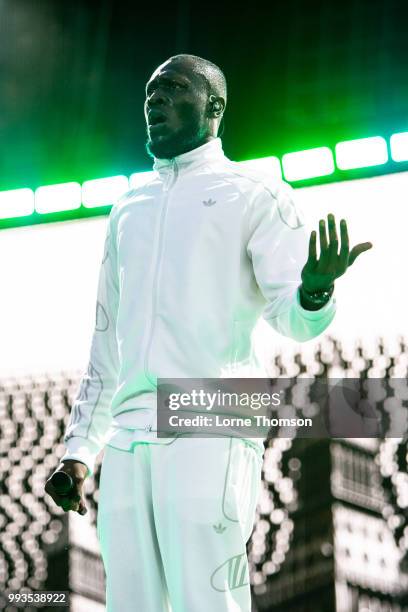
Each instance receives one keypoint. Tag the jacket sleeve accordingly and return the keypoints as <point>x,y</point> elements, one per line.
<point>278,247</point>
<point>90,416</point>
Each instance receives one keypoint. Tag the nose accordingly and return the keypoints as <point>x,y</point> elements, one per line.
<point>156,98</point>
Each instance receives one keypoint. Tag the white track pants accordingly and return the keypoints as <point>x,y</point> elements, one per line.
<point>173,522</point>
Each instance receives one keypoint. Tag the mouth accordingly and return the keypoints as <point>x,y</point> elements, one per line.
<point>156,127</point>
<point>156,119</point>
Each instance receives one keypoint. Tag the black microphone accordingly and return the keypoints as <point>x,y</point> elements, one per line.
<point>62,483</point>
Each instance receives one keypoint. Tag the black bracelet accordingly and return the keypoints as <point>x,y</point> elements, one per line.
<point>317,298</point>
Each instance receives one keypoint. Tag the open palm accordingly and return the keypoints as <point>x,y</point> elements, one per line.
<point>320,274</point>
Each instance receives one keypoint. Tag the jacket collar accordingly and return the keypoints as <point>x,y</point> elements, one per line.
<point>209,152</point>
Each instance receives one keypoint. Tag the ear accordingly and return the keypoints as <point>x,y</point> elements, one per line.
<point>216,105</point>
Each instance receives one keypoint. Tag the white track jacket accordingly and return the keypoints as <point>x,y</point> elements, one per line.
<point>191,261</point>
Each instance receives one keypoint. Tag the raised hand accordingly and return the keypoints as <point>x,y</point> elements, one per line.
<point>320,274</point>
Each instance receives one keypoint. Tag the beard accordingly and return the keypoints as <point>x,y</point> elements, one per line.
<point>171,144</point>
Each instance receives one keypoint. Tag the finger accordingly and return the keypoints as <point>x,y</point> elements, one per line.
<point>344,245</point>
<point>357,250</point>
<point>334,241</point>
<point>74,504</point>
<point>75,500</point>
<point>323,236</point>
<point>312,258</point>
<point>71,502</point>
<point>82,509</point>
<point>331,222</point>
<point>324,250</point>
<point>66,505</point>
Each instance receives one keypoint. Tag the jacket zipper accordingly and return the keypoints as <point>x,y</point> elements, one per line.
<point>156,274</point>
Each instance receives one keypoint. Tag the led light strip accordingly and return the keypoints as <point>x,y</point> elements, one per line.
<point>296,166</point>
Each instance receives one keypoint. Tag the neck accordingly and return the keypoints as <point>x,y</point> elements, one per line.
<point>197,144</point>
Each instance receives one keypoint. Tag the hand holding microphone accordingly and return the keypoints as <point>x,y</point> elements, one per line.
<point>65,486</point>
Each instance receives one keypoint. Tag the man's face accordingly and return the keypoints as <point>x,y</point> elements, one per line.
<point>176,94</point>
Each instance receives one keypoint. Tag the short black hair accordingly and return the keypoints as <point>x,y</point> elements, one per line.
<point>213,76</point>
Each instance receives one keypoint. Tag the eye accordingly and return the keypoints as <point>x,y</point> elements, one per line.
<point>167,83</point>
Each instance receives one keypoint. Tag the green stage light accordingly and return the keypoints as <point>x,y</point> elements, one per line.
<point>361,153</point>
<point>104,191</point>
<point>16,203</point>
<point>138,179</point>
<point>399,146</point>
<point>54,198</point>
<point>308,164</point>
<point>269,165</point>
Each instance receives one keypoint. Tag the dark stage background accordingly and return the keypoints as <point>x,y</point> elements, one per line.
<point>300,74</point>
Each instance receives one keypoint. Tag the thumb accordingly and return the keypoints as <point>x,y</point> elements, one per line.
<point>77,498</point>
<point>82,509</point>
<point>357,250</point>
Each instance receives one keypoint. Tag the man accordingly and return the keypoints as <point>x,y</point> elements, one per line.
<point>192,259</point>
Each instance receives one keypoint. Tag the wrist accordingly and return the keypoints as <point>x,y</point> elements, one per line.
<point>314,300</point>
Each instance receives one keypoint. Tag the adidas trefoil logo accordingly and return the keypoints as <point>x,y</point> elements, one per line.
<point>209,202</point>
<point>219,528</point>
